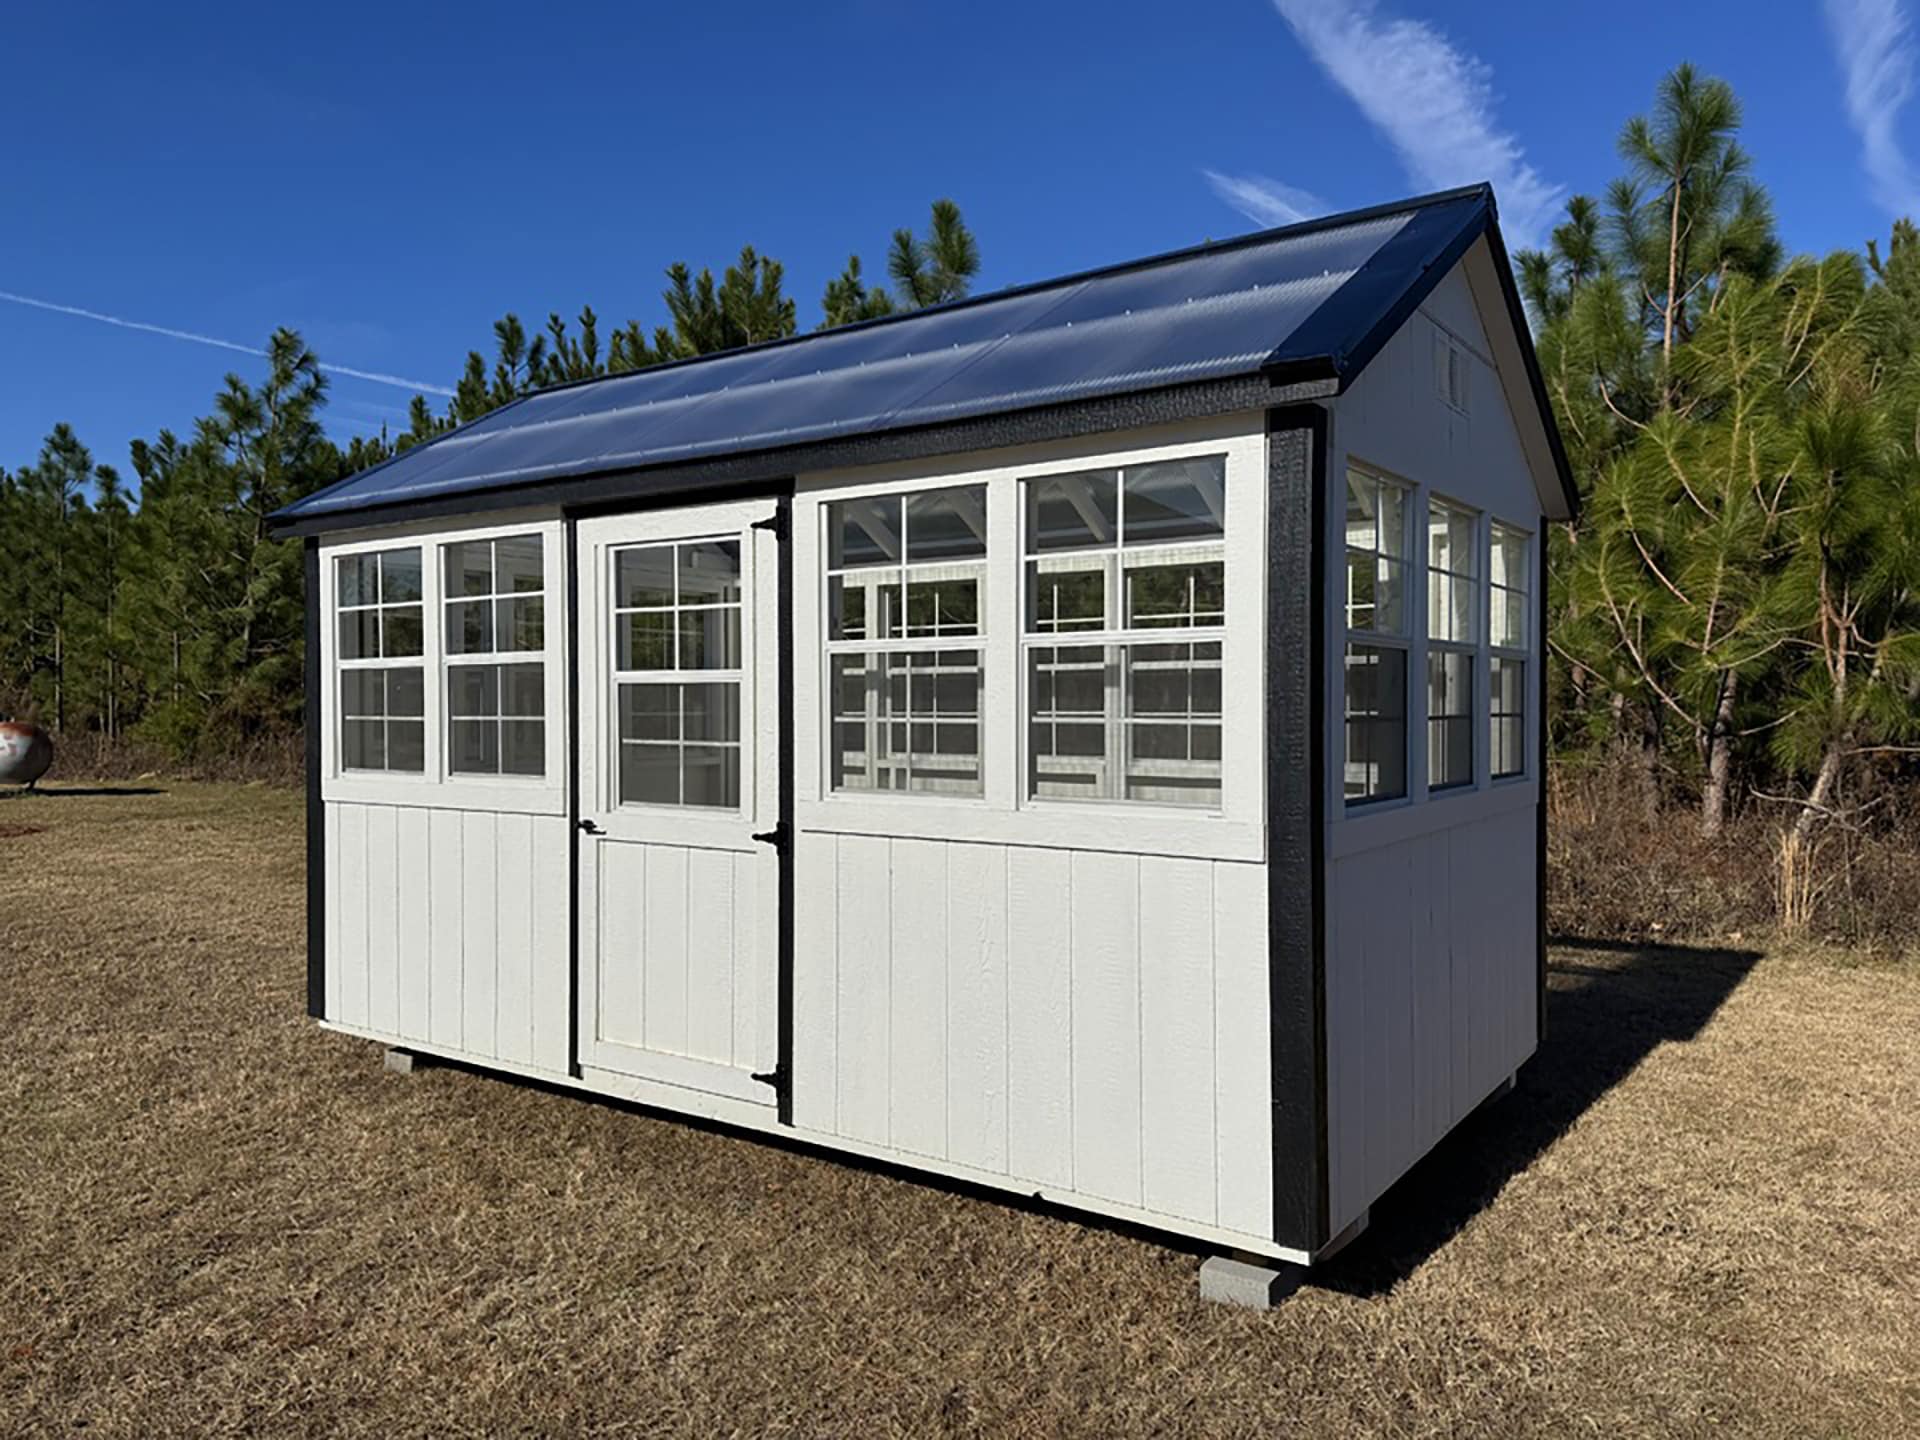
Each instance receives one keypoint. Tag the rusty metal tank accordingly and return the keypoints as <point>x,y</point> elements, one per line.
<point>26,751</point>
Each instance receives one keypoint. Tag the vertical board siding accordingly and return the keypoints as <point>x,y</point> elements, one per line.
<point>663,955</point>
<point>448,929</point>
<point>710,995</point>
<point>1105,901</point>
<point>1176,1037</point>
<point>1242,1056</point>
<point>1431,994</point>
<point>622,877</point>
<point>917,994</point>
<point>1039,1016</point>
<point>863,899</point>
<point>816,982</point>
<point>1082,1022</point>
<point>976,1038</point>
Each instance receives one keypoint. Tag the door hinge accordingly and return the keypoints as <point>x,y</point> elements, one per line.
<point>590,828</point>
<point>776,837</point>
<point>776,1077</point>
<point>776,523</point>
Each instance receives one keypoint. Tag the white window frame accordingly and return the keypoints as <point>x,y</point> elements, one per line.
<point>1113,637</point>
<point>1474,647</point>
<point>1523,652</point>
<point>432,786</point>
<point>1407,639</point>
<point>496,658</point>
<point>1001,813</point>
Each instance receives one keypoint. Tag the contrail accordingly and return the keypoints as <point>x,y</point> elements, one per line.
<point>375,376</point>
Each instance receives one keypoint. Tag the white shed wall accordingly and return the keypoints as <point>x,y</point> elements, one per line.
<point>1085,1022</point>
<point>1432,926</point>
<point>447,931</point>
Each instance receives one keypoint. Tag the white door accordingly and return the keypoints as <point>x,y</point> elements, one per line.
<point>678,773</point>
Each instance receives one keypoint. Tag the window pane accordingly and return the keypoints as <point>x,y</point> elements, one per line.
<point>1393,521</point>
<point>649,774</point>
<point>1072,512</point>
<point>469,567</point>
<point>1066,599</point>
<point>363,692</point>
<point>1449,607</point>
<point>864,532</point>
<point>473,691</point>
<point>521,623</point>
<point>1509,746</point>
<point>360,635</point>
<point>523,691</point>
<point>1174,500</point>
<point>710,775</point>
<point>645,641</point>
<point>947,524</point>
<point>1449,719</point>
<point>516,565</point>
<point>643,577</point>
<point>943,607</point>
<point>406,745</point>
<point>1363,511</point>
<point>406,691</point>
<point>1450,539</point>
<point>864,606</point>
<point>400,630</point>
<point>523,747</point>
<point>473,747</point>
<point>1183,595</point>
<point>363,744</point>
<point>1507,680</point>
<point>470,627</point>
<point>710,639</point>
<point>399,576</point>
<point>649,712</point>
<point>358,580</point>
<point>1509,558</point>
<point>1376,721</point>
<point>710,711</point>
<point>1509,618</point>
<point>710,572</point>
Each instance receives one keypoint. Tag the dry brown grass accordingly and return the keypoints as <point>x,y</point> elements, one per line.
<point>1696,1214</point>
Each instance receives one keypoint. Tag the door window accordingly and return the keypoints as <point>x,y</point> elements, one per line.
<point>677,673</point>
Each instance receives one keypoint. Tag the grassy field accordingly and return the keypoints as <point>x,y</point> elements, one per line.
<point>1697,1213</point>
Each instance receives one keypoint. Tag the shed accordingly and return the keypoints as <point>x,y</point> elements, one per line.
<point>1084,740</point>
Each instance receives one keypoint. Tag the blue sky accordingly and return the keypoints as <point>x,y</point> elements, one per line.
<point>389,182</point>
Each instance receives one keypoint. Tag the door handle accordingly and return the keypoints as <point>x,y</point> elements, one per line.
<point>591,828</point>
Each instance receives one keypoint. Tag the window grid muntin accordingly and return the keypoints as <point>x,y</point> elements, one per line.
<point>456,657</point>
<point>727,755</point>
<point>895,649</point>
<point>1120,637</point>
<point>1453,554</point>
<point>1375,748</point>
<point>356,723</point>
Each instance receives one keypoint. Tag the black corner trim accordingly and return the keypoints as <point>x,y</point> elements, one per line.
<point>570,550</point>
<point>316,807</point>
<point>782,1078</point>
<point>1540,807</point>
<point>1296,749</point>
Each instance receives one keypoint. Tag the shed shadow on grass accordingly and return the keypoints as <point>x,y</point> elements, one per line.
<point>1606,1011</point>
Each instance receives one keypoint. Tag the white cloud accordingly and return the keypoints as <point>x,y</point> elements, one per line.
<point>1874,43</point>
<point>1433,102</point>
<point>378,377</point>
<point>1266,201</point>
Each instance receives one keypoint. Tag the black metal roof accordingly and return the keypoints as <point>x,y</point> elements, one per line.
<point>1309,302</point>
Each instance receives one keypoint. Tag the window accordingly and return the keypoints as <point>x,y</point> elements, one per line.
<point>1450,370</point>
<point>1125,619</point>
<point>1507,636</point>
<point>1377,639</point>
<point>382,703</point>
<point>495,602</point>
<point>1452,644</point>
<point>677,673</point>
<point>904,629</point>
